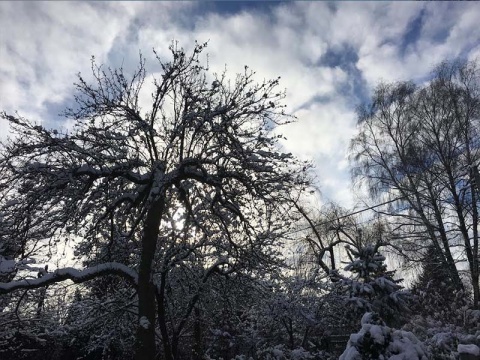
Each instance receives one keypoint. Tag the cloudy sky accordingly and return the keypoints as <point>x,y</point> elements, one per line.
<point>329,56</point>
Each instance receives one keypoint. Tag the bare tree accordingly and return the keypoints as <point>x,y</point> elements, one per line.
<point>419,145</point>
<point>197,175</point>
<point>333,229</point>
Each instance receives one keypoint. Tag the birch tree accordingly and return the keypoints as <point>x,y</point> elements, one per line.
<point>418,145</point>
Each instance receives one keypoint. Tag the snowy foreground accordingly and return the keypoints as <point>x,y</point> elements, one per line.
<point>375,340</point>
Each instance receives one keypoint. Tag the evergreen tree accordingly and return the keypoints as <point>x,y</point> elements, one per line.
<point>434,290</point>
<point>372,287</point>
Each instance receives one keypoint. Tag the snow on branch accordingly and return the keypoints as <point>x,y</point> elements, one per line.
<point>77,276</point>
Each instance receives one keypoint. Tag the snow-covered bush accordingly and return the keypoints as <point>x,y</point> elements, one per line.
<point>281,352</point>
<point>442,345</point>
<point>472,319</point>
<point>375,340</point>
<point>441,340</point>
<point>98,327</point>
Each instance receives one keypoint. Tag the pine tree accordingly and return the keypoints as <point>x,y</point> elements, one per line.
<point>372,287</point>
<point>435,291</point>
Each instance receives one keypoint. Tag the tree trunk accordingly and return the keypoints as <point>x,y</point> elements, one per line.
<point>476,290</point>
<point>145,340</point>
<point>305,337</point>
<point>289,327</point>
<point>450,262</point>
<point>474,186</point>
<point>447,257</point>
<point>197,335</point>
<point>167,347</point>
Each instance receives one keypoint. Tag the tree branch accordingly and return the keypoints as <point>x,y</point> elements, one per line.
<point>77,276</point>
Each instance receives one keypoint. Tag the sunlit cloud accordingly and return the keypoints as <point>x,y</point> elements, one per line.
<point>329,56</point>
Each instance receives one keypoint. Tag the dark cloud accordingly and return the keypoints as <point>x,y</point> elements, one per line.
<point>230,7</point>
<point>346,57</point>
<point>413,33</point>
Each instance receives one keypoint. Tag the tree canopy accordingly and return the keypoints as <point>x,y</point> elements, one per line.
<point>418,146</point>
<point>196,178</point>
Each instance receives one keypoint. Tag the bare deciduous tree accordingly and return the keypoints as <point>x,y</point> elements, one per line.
<point>419,146</point>
<point>197,175</point>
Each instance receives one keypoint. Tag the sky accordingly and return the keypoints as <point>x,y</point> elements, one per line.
<point>330,56</point>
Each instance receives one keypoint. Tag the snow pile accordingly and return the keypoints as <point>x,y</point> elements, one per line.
<point>471,349</point>
<point>377,341</point>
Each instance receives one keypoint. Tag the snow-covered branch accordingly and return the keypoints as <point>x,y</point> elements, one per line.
<point>77,276</point>
<point>119,170</point>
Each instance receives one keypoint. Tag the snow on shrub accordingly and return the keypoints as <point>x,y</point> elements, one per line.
<point>281,352</point>
<point>471,349</point>
<point>442,340</point>
<point>375,340</point>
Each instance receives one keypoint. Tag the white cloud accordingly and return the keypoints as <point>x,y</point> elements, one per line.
<point>447,32</point>
<point>323,133</point>
<point>43,45</point>
<point>323,129</point>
